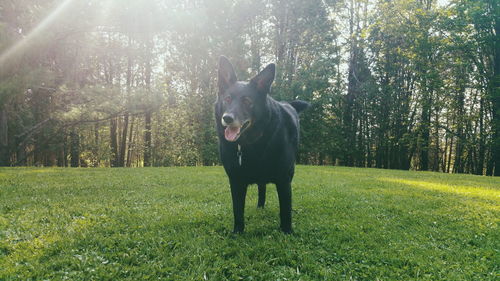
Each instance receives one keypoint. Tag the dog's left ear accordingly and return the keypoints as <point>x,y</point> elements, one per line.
<point>264,79</point>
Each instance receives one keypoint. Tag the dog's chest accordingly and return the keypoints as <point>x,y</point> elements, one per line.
<point>257,164</point>
<point>242,157</point>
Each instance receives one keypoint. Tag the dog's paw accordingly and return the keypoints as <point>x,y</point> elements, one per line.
<point>287,230</point>
<point>238,229</point>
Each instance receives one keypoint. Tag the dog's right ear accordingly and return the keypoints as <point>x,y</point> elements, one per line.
<point>264,79</point>
<point>227,76</point>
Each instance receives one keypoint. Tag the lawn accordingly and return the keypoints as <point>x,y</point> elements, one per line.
<point>175,224</point>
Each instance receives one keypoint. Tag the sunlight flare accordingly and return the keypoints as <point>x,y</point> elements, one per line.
<point>44,24</point>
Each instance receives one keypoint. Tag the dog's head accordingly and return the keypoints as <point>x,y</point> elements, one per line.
<point>242,104</point>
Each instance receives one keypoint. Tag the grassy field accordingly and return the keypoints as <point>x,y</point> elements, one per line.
<point>174,224</point>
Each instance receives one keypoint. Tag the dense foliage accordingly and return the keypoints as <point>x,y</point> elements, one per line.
<point>405,84</point>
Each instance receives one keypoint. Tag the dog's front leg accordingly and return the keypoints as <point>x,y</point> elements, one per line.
<point>285,198</point>
<point>238,193</point>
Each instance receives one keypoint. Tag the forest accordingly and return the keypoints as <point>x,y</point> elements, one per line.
<point>395,84</point>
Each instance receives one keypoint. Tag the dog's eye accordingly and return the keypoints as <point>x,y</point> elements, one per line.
<point>228,99</point>
<point>247,102</point>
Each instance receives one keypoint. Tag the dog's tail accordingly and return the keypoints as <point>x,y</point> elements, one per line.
<point>299,105</point>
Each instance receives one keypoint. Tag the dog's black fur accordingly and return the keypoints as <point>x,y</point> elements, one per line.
<point>267,132</point>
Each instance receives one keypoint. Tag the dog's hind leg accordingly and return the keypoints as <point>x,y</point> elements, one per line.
<point>238,193</point>
<point>285,197</point>
<point>262,195</point>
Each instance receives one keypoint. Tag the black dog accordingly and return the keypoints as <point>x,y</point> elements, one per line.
<point>258,139</point>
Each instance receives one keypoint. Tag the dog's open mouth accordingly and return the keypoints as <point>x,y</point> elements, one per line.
<point>233,133</point>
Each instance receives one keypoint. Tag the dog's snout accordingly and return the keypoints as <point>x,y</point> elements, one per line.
<point>228,118</point>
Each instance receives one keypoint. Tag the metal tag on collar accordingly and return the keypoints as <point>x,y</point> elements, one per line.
<point>239,154</point>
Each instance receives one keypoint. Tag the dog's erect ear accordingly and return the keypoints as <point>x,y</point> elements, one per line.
<point>227,76</point>
<point>264,79</point>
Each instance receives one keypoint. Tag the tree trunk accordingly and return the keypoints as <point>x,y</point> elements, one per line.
<point>481,152</point>
<point>61,155</point>
<point>437,146</point>
<point>495,91</point>
<point>147,140</point>
<point>147,119</point>
<point>114,142</point>
<point>349,121</point>
<point>97,159</point>
<point>425,135</point>
<point>448,166</point>
<point>4,148</point>
<point>458,166</point>
<point>123,145</point>
<point>130,142</point>
<point>445,149</point>
<point>75,148</point>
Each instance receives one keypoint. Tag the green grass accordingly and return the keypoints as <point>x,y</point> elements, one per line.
<point>174,224</point>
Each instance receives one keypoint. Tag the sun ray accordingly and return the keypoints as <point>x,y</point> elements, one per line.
<point>43,25</point>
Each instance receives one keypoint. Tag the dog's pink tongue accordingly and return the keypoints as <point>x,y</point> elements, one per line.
<point>231,133</point>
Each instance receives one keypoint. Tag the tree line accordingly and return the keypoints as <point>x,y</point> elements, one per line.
<point>404,84</point>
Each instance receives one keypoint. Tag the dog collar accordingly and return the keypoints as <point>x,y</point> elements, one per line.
<point>239,154</point>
